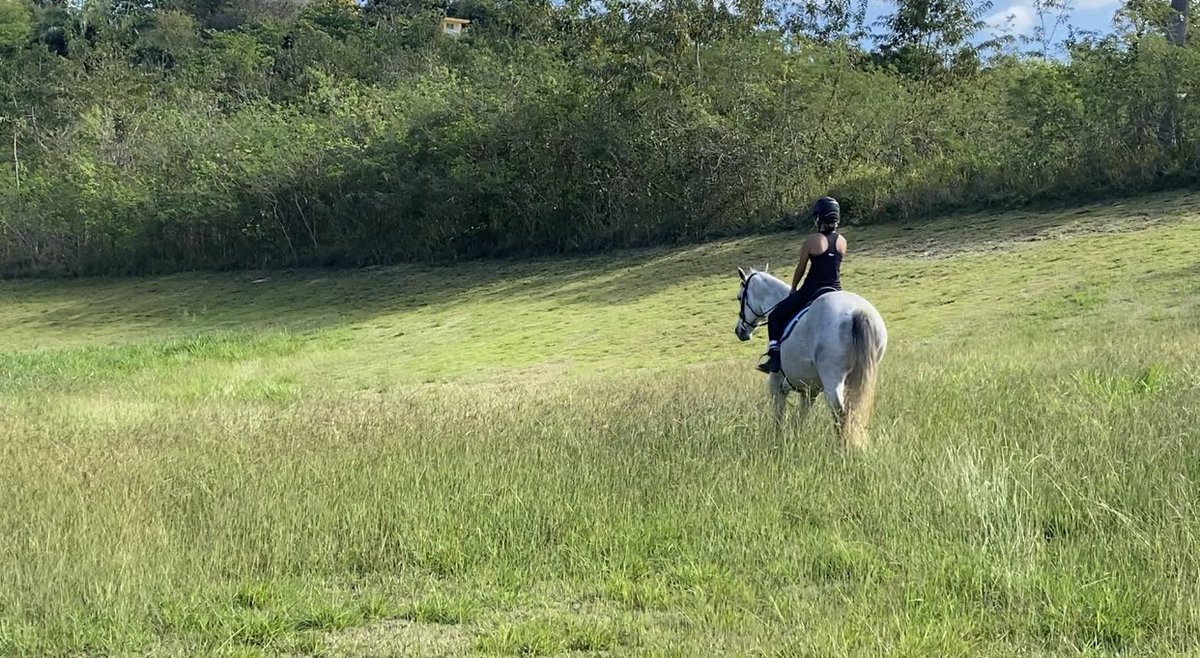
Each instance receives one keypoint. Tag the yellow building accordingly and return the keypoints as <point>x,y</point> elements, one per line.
<point>454,26</point>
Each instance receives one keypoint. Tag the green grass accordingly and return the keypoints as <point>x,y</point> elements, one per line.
<point>574,457</point>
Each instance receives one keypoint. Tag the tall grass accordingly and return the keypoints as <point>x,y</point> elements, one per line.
<point>1030,488</point>
<point>1003,508</point>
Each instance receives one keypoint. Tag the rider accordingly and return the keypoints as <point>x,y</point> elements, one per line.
<point>825,249</point>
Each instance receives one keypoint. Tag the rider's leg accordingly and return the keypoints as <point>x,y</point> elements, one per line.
<point>777,321</point>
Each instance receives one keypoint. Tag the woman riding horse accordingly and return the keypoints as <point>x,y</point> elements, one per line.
<point>825,250</point>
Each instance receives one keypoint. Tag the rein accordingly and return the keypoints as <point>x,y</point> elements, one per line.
<point>758,317</point>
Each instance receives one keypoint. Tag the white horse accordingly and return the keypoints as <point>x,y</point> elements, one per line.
<point>834,347</point>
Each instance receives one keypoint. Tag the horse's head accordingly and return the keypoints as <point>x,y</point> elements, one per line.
<point>752,311</point>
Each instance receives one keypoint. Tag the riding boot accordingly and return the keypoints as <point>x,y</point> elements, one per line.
<point>771,364</point>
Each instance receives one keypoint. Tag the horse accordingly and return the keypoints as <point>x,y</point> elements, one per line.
<point>835,346</point>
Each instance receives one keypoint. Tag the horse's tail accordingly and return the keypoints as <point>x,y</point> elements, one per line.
<point>865,354</point>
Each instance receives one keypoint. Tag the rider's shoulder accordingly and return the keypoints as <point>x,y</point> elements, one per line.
<point>819,242</point>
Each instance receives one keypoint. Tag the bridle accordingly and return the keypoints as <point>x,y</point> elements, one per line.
<point>759,318</point>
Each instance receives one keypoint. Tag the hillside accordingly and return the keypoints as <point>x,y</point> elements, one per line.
<point>573,456</point>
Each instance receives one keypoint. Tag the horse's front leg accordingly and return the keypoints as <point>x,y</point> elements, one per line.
<point>778,386</point>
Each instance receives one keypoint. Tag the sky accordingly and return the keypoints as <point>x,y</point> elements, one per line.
<point>1091,15</point>
<point>1019,15</point>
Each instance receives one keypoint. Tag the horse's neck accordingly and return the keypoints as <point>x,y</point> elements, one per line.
<point>772,291</point>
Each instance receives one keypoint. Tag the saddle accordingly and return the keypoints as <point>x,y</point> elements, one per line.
<point>787,331</point>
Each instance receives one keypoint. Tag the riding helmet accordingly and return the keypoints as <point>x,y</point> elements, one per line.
<point>826,210</point>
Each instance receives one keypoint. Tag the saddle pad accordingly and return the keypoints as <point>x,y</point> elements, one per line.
<point>787,331</point>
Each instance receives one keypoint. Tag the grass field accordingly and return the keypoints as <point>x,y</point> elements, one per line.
<point>574,457</point>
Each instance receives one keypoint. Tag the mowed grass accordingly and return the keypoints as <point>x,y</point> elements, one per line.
<point>574,457</point>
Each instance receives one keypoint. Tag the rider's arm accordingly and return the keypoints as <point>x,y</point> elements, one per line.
<point>801,266</point>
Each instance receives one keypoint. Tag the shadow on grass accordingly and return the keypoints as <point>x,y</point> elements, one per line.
<point>314,299</point>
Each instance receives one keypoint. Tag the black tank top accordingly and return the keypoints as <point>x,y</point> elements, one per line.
<point>826,266</point>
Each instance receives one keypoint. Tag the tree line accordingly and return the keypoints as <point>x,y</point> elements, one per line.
<point>164,135</point>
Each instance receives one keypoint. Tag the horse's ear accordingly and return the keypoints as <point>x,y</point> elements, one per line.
<point>767,267</point>
<point>742,273</point>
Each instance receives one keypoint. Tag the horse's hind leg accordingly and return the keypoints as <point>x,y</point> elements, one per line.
<point>835,394</point>
<point>808,395</point>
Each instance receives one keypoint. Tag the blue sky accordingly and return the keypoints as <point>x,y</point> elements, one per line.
<point>1019,16</point>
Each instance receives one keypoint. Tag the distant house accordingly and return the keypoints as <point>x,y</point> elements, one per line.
<point>454,26</point>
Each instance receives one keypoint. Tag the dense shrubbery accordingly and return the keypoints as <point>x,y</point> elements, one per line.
<point>209,134</point>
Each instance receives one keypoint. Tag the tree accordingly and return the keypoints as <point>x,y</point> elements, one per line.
<point>16,24</point>
<point>1177,32</point>
<point>826,21</point>
<point>337,18</point>
<point>925,38</point>
<point>1143,19</point>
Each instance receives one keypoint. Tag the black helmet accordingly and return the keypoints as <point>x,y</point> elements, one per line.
<point>826,210</point>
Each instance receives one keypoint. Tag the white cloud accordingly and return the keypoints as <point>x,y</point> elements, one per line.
<point>1016,18</point>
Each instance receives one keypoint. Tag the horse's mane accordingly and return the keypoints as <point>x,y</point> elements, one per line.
<point>769,277</point>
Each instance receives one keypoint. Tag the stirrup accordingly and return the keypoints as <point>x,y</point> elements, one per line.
<point>771,364</point>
